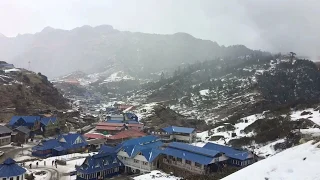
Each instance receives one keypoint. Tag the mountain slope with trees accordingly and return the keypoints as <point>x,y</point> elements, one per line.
<point>24,92</point>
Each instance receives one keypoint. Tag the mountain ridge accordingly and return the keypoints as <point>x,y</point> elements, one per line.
<point>90,49</point>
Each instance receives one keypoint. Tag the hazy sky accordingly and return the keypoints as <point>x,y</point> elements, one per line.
<point>275,25</point>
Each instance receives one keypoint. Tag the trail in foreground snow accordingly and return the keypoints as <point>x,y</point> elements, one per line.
<point>297,163</point>
<point>156,175</point>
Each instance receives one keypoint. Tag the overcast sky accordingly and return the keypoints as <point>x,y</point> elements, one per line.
<point>274,25</point>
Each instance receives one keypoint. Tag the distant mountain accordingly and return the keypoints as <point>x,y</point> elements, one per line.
<point>24,92</point>
<point>57,52</point>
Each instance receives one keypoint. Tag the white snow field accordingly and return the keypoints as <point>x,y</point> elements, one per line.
<point>156,175</point>
<point>296,163</point>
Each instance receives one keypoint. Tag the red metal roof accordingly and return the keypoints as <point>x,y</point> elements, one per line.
<point>94,136</point>
<point>109,124</point>
<point>127,134</point>
<point>109,128</point>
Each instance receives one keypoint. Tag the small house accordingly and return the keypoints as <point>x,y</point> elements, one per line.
<point>185,159</point>
<point>10,170</point>
<point>64,144</point>
<point>21,134</point>
<point>5,135</point>
<point>235,157</point>
<point>50,125</point>
<point>99,166</point>
<point>32,122</point>
<point>178,134</point>
<point>110,128</point>
<point>140,155</point>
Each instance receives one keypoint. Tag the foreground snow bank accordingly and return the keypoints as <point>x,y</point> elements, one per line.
<point>156,175</point>
<point>300,162</point>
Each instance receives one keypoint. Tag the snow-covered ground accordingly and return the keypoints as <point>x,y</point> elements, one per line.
<point>11,70</point>
<point>311,131</point>
<point>144,110</point>
<point>118,76</point>
<point>297,163</point>
<point>156,175</point>
<point>268,149</point>
<point>71,159</point>
<point>315,116</point>
<point>239,127</point>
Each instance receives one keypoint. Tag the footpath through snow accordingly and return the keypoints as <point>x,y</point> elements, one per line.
<point>296,163</point>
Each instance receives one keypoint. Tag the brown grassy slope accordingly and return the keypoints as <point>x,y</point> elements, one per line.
<point>25,93</point>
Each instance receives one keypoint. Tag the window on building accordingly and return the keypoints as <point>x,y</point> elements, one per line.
<point>115,160</point>
<point>140,153</point>
<point>18,177</point>
<point>197,164</point>
<point>136,161</point>
<point>78,140</point>
<point>4,178</point>
<point>179,159</point>
<point>188,162</point>
<point>145,163</point>
<point>11,178</point>
<point>97,165</point>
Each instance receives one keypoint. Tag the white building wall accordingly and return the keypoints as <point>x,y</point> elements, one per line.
<point>138,162</point>
<point>182,138</point>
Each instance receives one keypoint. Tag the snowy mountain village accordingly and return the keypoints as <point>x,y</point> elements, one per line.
<point>33,147</point>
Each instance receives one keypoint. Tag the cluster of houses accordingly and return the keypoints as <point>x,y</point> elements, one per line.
<point>144,154</point>
<point>123,147</point>
<point>22,128</point>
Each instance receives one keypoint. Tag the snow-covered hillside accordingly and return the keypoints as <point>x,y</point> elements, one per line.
<point>297,163</point>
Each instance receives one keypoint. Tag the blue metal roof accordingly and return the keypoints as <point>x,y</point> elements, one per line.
<point>46,120</point>
<point>176,129</point>
<point>99,162</point>
<point>147,145</point>
<point>107,149</point>
<point>27,119</point>
<point>140,140</point>
<point>9,168</point>
<point>59,146</point>
<point>193,149</point>
<point>47,144</point>
<point>229,151</point>
<point>191,156</point>
<point>70,140</point>
<point>150,153</point>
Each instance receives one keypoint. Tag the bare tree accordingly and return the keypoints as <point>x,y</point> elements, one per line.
<point>292,55</point>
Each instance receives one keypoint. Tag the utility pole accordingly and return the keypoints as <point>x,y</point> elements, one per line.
<point>29,67</point>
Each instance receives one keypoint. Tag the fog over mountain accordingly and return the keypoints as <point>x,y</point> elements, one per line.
<point>56,52</point>
<point>270,25</point>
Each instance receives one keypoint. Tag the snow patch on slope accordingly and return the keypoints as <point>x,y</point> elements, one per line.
<point>118,76</point>
<point>300,162</point>
<point>315,116</point>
